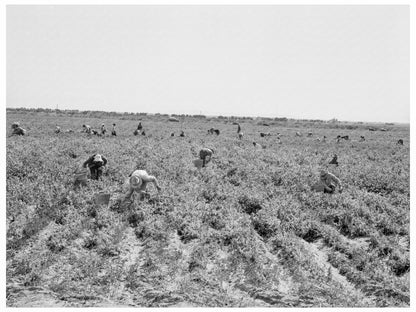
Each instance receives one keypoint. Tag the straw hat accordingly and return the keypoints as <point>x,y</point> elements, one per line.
<point>135,182</point>
<point>98,158</point>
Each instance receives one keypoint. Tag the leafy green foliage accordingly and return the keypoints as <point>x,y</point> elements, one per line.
<point>244,231</point>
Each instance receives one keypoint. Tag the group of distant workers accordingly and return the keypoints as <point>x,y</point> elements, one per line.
<point>87,129</point>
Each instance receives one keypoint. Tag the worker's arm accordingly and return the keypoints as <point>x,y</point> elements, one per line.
<point>153,180</point>
<point>88,161</point>
<point>327,188</point>
<point>337,181</point>
<point>129,193</point>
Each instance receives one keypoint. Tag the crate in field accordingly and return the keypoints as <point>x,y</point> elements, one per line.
<point>81,175</point>
<point>198,163</point>
<point>318,187</point>
<point>102,199</point>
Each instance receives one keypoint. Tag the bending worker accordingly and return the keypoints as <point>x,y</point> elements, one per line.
<point>96,163</point>
<point>204,153</point>
<point>329,181</point>
<point>138,183</point>
<point>17,130</point>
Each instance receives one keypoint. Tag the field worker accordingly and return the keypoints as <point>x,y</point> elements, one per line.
<point>329,181</point>
<point>334,160</point>
<point>257,145</point>
<point>138,183</point>
<point>204,153</point>
<point>239,128</point>
<point>87,129</point>
<point>139,127</point>
<point>17,130</point>
<point>103,129</point>
<point>58,129</point>
<point>96,163</point>
<point>113,131</point>
<point>182,134</point>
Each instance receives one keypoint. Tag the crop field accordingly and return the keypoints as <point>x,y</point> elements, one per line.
<point>245,231</point>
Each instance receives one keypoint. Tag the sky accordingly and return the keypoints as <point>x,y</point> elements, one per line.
<point>309,62</point>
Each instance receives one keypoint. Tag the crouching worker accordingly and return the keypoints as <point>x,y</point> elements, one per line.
<point>205,155</point>
<point>138,183</point>
<point>329,182</point>
<point>17,130</point>
<point>96,164</point>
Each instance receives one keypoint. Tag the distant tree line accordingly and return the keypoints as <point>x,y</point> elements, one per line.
<point>269,121</point>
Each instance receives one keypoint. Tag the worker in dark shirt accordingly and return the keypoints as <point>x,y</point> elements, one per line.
<point>17,130</point>
<point>205,155</point>
<point>95,163</point>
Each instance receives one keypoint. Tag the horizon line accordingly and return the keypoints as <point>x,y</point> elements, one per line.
<point>211,116</point>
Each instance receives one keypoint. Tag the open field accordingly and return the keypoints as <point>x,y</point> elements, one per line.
<point>245,231</point>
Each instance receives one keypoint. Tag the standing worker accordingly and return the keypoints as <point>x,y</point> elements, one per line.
<point>95,163</point>
<point>113,131</point>
<point>103,129</point>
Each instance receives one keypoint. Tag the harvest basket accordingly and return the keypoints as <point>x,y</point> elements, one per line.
<point>198,163</point>
<point>318,187</point>
<point>80,175</point>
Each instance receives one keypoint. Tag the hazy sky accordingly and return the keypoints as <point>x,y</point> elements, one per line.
<point>314,62</point>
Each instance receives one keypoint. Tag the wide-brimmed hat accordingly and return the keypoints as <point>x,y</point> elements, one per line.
<point>98,158</point>
<point>323,173</point>
<point>135,181</point>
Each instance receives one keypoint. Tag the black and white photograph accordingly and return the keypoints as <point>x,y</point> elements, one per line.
<point>227,155</point>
